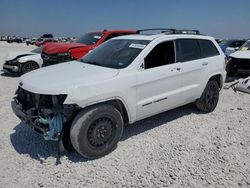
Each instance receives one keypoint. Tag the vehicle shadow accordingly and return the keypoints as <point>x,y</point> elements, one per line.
<point>158,120</point>
<point>26,141</point>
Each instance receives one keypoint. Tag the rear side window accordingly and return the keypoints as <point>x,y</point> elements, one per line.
<point>208,49</point>
<point>187,50</point>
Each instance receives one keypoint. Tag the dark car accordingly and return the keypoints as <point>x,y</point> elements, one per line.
<point>14,39</point>
<point>231,43</point>
<point>239,62</point>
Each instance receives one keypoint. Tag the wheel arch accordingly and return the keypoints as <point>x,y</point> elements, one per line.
<point>24,62</point>
<point>218,78</point>
<point>117,103</point>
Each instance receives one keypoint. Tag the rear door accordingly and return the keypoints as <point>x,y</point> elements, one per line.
<point>193,68</point>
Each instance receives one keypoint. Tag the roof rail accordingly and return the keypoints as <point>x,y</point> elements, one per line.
<point>162,30</point>
<point>187,31</point>
<point>171,31</point>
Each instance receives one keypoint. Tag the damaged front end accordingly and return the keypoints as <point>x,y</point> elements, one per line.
<point>46,114</point>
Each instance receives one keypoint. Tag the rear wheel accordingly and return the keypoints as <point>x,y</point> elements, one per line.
<point>29,66</point>
<point>209,98</point>
<point>96,131</point>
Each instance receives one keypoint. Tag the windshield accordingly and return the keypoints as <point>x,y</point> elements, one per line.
<point>116,54</point>
<point>90,38</point>
<point>246,46</point>
<point>225,42</point>
<point>237,43</point>
<point>37,50</point>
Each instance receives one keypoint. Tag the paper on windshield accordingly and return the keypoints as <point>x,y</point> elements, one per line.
<point>138,46</point>
<point>97,37</point>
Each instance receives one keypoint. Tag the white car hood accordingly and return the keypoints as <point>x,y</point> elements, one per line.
<point>63,78</point>
<point>241,54</point>
<point>14,54</point>
<point>229,51</point>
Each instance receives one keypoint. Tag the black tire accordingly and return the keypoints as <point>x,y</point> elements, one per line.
<point>29,66</point>
<point>209,98</point>
<point>66,138</point>
<point>96,131</point>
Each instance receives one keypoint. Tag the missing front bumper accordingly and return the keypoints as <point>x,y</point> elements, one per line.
<point>47,122</point>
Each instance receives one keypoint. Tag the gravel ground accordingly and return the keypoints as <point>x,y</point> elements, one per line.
<point>178,148</point>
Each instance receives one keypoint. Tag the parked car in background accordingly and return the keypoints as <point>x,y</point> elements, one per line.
<point>239,62</point>
<point>245,46</point>
<point>19,63</point>
<point>14,39</point>
<point>234,44</point>
<point>234,47</point>
<point>125,80</point>
<point>31,41</point>
<point>3,38</point>
<point>47,36</point>
<point>44,39</point>
<point>54,53</point>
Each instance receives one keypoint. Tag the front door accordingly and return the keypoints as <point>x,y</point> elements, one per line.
<point>159,82</point>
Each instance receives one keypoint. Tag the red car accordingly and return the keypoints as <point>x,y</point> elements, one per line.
<point>54,53</point>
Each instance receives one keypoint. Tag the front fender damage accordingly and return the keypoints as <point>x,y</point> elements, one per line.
<point>46,114</point>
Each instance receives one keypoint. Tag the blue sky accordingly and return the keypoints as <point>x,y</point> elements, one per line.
<point>219,18</point>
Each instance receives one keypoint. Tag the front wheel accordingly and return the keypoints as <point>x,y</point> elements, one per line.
<point>209,98</point>
<point>96,131</point>
<point>29,66</point>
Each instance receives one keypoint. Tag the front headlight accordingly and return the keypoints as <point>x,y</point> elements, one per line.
<point>13,61</point>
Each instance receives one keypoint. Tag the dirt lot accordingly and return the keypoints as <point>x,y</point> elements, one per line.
<point>179,148</point>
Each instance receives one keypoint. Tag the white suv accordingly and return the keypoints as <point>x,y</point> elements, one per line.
<point>126,79</point>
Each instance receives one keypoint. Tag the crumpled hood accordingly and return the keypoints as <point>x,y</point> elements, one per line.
<point>17,54</point>
<point>59,47</point>
<point>65,77</point>
<point>241,54</point>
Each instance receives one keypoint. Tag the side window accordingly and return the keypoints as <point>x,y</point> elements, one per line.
<point>187,50</point>
<point>162,54</point>
<point>208,48</point>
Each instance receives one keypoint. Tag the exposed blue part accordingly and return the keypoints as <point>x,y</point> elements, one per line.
<point>55,126</point>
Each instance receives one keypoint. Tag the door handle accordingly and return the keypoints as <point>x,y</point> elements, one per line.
<point>204,64</point>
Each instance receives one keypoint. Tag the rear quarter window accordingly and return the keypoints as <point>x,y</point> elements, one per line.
<point>208,49</point>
